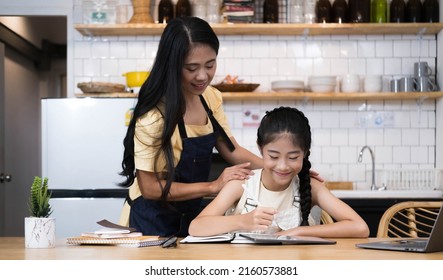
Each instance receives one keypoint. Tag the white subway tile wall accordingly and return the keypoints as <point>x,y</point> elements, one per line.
<point>401,132</point>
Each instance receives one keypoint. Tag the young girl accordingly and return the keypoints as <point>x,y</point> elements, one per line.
<point>279,197</point>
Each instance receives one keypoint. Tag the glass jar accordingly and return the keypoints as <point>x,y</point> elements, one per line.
<point>323,11</point>
<point>359,11</point>
<point>397,11</point>
<point>199,8</point>
<point>296,11</point>
<point>379,11</point>
<point>309,11</point>
<point>270,11</point>
<point>213,11</point>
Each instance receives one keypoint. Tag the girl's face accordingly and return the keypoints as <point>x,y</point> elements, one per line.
<point>199,69</point>
<point>281,162</point>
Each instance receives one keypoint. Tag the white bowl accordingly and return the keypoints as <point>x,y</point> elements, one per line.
<point>287,86</point>
<point>350,78</point>
<point>372,87</point>
<point>322,80</point>
<point>322,88</point>
<point>347,87</point>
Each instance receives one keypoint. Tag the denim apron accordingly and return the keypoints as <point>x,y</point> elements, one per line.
<point>156,217</point>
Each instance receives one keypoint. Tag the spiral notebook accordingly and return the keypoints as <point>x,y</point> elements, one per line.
<point>141,241</point>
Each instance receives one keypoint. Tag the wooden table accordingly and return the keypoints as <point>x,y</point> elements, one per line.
<point>13,248</point>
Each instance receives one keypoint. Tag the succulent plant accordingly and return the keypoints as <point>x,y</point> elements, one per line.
<point>39,200</point>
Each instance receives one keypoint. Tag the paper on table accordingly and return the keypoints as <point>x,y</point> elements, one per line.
<point>227,237</point>
<point>111,234</point>
<point>221,238</point>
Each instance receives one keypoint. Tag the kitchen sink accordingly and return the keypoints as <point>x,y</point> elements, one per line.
<point>388,194</point>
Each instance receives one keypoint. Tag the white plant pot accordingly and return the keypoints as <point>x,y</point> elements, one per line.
<point>39,232</point>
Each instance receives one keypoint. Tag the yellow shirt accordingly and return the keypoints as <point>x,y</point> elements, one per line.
<point>148,130</point>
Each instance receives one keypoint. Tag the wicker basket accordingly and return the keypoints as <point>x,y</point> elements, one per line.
<point>101,87</point>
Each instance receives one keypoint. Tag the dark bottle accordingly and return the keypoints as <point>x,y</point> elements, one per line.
<point>270,11</point>
<point>431,11</point>
<point>414,11</point>
<point>397,11</point>
<point>323,11</point>
<point>339,11</point>
<point>165,11</point>
<point>183,8</point>
<point>359,11</point>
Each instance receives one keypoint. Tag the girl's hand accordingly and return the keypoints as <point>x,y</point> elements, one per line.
<point>259,219</point>
<point>235,172</point>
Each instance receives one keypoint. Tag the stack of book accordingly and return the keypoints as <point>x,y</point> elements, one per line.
<point>113,234</point>
<point>238,11</point>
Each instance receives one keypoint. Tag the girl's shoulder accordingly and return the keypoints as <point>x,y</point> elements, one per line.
<point>319,190</point>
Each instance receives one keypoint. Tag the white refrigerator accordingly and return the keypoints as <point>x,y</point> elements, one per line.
<point>82,151</point>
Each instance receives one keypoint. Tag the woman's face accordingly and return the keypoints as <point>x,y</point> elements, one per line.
<point>199,69</point>
<point>281,162</point>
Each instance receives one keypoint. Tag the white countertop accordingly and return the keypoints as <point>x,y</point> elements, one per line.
<point>388,194</point>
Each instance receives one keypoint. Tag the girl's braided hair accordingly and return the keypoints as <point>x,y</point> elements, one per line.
<point>291,121</point>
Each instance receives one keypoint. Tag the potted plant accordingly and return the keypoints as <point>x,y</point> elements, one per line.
<point>39,227</point>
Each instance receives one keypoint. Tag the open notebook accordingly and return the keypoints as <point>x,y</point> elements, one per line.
<point>257,238</point>
<point>220,238</point>
<point>422,245</point>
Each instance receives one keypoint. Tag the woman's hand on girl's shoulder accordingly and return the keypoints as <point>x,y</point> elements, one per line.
<point>235,172</point>
<point>314,174</point>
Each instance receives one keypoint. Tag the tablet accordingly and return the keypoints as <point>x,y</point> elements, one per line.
<point>260,238</point>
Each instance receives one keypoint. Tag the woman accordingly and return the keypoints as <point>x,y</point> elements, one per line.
<point>176,123</point>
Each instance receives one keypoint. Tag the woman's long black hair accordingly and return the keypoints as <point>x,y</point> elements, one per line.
<point>294,122</point>
<point>164,86</point>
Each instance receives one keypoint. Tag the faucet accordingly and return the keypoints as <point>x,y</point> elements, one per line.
<point>360,156</point>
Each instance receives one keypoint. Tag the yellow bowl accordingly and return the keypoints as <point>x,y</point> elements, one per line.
<point>136,79</point>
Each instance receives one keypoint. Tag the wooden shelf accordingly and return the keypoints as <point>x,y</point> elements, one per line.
<point>254,96</point>
<point>269,29</point>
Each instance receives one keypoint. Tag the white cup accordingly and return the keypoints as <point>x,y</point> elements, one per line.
<point>350,83</point>
<point>373,83</point>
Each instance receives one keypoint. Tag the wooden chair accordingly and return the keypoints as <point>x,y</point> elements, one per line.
<point>409,219</point>
<point>326,218</point>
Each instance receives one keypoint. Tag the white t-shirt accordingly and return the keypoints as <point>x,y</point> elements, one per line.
<point>286,202</point>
